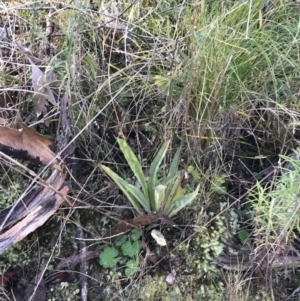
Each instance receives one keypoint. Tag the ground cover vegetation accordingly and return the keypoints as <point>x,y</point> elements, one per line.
<point>149,150</point>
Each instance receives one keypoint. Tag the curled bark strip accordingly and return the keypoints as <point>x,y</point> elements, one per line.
<point>26,143</point>
<point>34,199</point>
<point>19,209</point>
<point>36,218</point>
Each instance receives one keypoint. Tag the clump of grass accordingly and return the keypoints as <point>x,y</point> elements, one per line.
<point>239,53</point>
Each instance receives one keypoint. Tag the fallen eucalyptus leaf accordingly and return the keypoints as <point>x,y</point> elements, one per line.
<point>43,93</point>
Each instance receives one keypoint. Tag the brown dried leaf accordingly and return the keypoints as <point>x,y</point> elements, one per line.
<point>139,221</point>
<point>166,220</point>
<point>28,140</point>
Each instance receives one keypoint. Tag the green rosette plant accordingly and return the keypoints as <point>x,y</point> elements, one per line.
<point>157,194</point>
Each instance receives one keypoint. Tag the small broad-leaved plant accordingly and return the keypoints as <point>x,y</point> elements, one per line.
<point>157,194</point>
<point>127,247</point>
<point>108,257</point>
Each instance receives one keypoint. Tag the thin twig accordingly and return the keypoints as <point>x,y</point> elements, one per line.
<point>84,263</point>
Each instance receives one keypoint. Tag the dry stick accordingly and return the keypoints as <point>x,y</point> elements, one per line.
<point>84,263</point>
<point>65,125</point>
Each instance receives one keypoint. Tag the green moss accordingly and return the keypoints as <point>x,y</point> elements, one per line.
<point>13,257</point>
<point>205,246</point>
<point>64,291</point>
<point>156,289</point>
<point>10,191</point>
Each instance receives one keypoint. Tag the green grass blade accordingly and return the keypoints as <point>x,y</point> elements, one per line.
<point>183,201</point>
<point>153,173</point>
<point>135,166</point>
<point>134,195</point>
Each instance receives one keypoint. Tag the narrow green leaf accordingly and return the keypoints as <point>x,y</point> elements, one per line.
<point>135,166</point>
<point>183,201</point>
<point>169,180</point>
<point>153,173</point>
<point>134,195</point>
<point>194,172</point>
<point>174,164</point>
<point>173,179</point>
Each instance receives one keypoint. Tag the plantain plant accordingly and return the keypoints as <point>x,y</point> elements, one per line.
<point>157,194</point>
